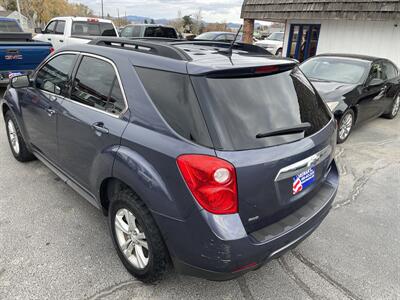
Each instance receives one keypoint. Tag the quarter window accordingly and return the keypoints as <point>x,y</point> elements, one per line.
<point>54,75</point>
<point>96,85</point>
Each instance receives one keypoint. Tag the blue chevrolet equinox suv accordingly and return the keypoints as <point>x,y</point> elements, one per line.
<point>210,157</point>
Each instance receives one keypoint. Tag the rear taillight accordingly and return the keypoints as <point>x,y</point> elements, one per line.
<point>212,182</point>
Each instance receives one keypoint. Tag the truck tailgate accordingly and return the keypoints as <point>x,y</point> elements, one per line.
<point>22,56</point>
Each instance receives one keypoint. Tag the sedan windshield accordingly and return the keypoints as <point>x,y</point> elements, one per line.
<point>338,69</point>
<point>276,36</point>
<point>206,36</point>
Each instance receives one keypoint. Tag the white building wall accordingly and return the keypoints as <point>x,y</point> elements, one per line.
<point>376,38</point>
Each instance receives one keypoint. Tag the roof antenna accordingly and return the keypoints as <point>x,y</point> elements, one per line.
<point>229,51</point>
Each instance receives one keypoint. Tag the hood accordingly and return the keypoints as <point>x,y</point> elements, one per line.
<point>333,91</point>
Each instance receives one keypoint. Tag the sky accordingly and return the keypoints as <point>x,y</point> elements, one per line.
<point>212,10</point>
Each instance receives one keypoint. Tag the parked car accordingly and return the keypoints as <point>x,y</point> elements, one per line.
<point>273,43</point>
<point>219,36</point>
<point>149,31</point>
<point>356,88</point>
<point>63,31</point>
<point>19,54</point>
<point>224,170</point>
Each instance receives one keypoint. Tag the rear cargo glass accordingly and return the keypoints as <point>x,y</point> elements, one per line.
<point>9,26</point>
<point>238,109</point>
<point>174,97</point>
<point>159,31</point>
<point>93,29</point>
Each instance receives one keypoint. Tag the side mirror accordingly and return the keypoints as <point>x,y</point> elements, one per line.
<point>375,82</point>
<point>38,30</point>
<point>21,81</point>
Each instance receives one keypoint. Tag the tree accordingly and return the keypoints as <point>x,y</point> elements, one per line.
<point>145,21</point>
<point>152,21</point>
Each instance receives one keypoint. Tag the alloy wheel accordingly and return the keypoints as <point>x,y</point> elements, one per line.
<point>12,133</point>
<point>345,126</point>
<point>131,239</point>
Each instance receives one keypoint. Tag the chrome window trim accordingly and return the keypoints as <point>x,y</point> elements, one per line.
<point>84,105</point>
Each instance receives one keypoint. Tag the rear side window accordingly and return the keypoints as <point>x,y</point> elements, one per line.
<point>159,31</point>
<point>239,109</point>
<point>390,71</point>
<point>93,29</point>
<point>53,76</point>
<point>96,85</point>
<point>9,26</point>
<point>177,103</point>
<point>131,31</point>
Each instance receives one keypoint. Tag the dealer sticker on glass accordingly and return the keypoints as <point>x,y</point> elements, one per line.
<point>303,180</point>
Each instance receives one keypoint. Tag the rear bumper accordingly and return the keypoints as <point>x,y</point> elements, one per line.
<point>213,255</point>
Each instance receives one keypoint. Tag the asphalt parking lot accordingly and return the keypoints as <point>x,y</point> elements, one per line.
<point>55,245</point>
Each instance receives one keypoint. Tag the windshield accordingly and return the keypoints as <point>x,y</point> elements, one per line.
<point>240,110</point>
<point>159,31</point>
<point>335,69</point>
<point>206,36</point>
<point>93,29</point>
<point>9,26</point>
<point>276,36</point>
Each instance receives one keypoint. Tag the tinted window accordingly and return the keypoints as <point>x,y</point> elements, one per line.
<point>335,69</point>
<point>390,71</point>
<point>9,26</point>
<point>96,85</point>
<point>376,72</point>
<point>238,109</point>
<point>177,103</point>
<point>60,27</point>
<point>53,76</point>
<point>93,29</point>
<point>158,31</point>
<point>51,27</point>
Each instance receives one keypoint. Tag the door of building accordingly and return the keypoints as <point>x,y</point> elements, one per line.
<point>303,41</point>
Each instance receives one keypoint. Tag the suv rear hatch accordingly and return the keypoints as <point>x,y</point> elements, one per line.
<point>271,124</point>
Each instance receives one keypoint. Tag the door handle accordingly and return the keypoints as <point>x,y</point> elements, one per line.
<point>50,112</point>
<point>99,127</point>
<point>49,39</point>
<point>61,41</point>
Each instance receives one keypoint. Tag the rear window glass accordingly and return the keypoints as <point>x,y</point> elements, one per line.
<point>158,31</point>
<point>9,26</point>
<point>238,109</point>
<point>174,97</point>
<point>93,29</point>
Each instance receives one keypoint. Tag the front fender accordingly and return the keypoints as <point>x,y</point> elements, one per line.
<point>141,176</point>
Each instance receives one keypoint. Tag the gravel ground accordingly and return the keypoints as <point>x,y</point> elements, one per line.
<point>54,245</point>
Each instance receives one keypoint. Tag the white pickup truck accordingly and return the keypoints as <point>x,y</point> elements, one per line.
<point>62,31</point>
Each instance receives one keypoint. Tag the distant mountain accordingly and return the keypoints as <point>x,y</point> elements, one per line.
<point>141,19</point>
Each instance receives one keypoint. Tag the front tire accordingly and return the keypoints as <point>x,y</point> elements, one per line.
<point>15,139</point>
<point>136,237</point>
<point>346,124</point>
<point>279,52</point>
<point>395,108</point>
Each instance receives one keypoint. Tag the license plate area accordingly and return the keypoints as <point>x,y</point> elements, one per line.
<point>303,180</point>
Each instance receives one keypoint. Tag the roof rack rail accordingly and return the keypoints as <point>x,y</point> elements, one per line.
<point>144,46</point>
<point>237,46</point>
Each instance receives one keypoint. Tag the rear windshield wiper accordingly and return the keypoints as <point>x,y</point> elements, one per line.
<point>283,131</point>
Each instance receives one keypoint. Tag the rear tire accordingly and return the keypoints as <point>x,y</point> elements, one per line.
<point>146,256</point>
<point>345,127</point>
<point>394,109</point>
<point>15,139</point>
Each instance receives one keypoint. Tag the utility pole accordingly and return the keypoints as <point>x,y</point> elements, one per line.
<point>102,10</point>
<point>19,13</point>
